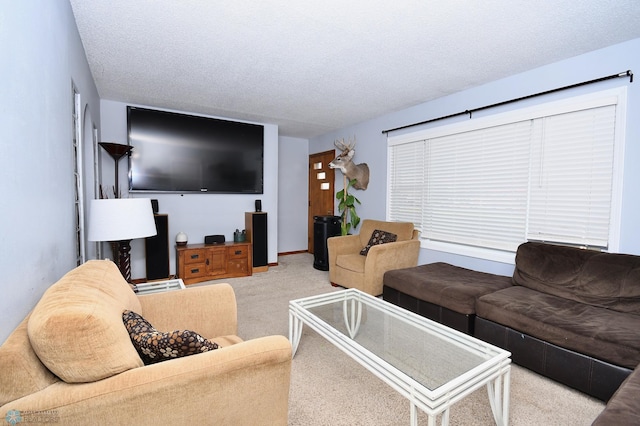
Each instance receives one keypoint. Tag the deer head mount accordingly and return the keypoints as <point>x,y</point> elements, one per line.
<point>359,172</point>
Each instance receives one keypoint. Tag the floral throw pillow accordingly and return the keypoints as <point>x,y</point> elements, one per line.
<point>378,237</point>
<point>155,346</point>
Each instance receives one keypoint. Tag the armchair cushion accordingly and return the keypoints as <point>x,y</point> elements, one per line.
<point>378,237</point>
<point>351,262</point>
<point>76,327</point>
<point>154,346</point>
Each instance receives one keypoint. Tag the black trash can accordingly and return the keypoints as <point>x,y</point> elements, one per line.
<point>323,228</point>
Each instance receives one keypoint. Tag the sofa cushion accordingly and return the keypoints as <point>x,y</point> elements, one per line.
<point>598,332</point>
<point>76,327</point>
<point>155,346</point>
<point>445,285</point>
<point>606,280</point>
<point>378,237</point>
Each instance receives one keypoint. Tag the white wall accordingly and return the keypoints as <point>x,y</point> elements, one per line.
<point>293,200</point>
<point>372,147</point>
<point>41,56</point>
<point>197,215</point>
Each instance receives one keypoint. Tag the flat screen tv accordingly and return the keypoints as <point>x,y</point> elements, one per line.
<point>185,153</point>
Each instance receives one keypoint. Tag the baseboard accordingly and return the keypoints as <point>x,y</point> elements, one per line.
<point>286,253</point>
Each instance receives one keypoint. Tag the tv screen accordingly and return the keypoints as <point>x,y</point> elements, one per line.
<point>184,153</point>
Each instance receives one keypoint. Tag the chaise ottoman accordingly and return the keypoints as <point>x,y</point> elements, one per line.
<point>442,292</point>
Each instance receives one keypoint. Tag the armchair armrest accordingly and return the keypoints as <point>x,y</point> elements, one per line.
<point>209,310</point>
<point>247,383</point>
<point>344,244</point>
<point>385,257</point>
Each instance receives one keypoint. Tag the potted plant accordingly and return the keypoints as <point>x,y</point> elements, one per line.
<point>347,208</point>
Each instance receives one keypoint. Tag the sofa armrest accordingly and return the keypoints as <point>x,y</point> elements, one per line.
<point>247,383</point>
<point>209,310</point>
<point>622,408</point>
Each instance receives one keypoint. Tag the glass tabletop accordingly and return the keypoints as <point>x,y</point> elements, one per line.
<point>430,353</point>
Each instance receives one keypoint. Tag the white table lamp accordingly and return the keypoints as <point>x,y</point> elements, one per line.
<point>120,220</point>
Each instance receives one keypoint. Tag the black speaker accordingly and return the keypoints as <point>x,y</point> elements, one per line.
<point>157,249</point>
<point>214,239</point>
<point>154,206</point>
<point>256,227</point>
<point>258,206</point>
<point>323,228</point>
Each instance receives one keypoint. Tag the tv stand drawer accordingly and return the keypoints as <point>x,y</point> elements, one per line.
<point>194,270</point>
<point>196,256</point>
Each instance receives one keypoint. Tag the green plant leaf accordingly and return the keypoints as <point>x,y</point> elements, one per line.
<point>355,219</point>
<point>347,208</point>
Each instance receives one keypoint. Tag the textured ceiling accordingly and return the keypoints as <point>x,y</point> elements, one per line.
<point>313,67</point>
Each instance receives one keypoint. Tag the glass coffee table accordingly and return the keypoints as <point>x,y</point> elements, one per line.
<point>431,365</point>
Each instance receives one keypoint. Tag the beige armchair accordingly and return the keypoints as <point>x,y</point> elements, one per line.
<point>71,361</point>
<point>348,268</point>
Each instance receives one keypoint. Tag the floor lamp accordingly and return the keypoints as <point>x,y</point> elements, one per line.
<point>120,220</point>
<point>116,151</point>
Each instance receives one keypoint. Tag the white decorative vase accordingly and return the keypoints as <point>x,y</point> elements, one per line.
<point>181,239</point>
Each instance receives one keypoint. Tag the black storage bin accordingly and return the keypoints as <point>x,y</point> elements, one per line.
<point>323,228</point>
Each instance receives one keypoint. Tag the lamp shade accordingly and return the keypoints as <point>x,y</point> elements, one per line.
<point>118,219</point>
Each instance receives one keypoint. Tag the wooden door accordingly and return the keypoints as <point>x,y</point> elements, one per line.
<point>321,188</point>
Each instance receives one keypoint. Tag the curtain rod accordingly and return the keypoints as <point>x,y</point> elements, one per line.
<point>627,73</point>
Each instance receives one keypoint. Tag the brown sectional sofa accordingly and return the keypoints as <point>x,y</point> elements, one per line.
<point>570,314</point>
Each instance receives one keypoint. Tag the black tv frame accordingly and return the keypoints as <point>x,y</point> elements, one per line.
<point>182,153</point>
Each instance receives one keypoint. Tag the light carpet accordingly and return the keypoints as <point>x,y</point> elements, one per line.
<point>329,388</point>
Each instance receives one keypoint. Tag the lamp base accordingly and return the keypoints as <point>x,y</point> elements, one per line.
<point>115,252</point>
<point>122,252</point>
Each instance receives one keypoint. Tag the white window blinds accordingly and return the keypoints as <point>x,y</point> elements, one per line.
<point>571,177</point>
<point>474,187</point>
<point>532,175</point>
<point>406,194</point>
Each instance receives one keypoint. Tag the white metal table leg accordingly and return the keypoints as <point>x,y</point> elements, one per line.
<point>295,332</point>
<point>505,397</point>
<point>414,415</point>
<point>498,391</point>
<point>445,418</point>
<point>431,419</point>
<point>352,322</point>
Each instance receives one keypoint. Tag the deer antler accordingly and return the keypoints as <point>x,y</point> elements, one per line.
<point>345,146</point>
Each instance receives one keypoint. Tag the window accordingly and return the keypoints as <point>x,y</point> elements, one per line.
<point>484,186</point>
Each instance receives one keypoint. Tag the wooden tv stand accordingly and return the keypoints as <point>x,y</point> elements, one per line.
<point>203,262</point>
